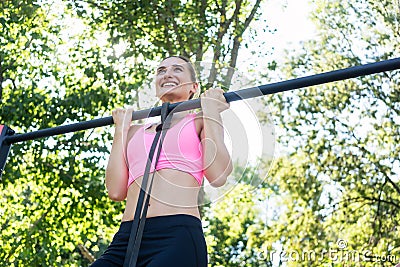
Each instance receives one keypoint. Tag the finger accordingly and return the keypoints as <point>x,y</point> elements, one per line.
<point>128,113</point>
<point>118,110</point>
<point>115,112</point>
<point>130,110</point>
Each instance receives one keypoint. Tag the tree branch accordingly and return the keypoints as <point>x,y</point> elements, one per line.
<point>1,79</point>
<point>222,30</point>
<point>237,41</point>
<point>96,5</point>
<point>176,29</point>
<point>373,199</point>
<point>203,19</point>
<point>86,253</point>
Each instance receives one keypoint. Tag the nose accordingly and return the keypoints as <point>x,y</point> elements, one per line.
<point>168,72</point>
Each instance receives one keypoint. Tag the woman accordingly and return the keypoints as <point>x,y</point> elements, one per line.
<point>193,148</point>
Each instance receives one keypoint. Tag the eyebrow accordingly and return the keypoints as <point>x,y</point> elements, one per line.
<point>174,65</point>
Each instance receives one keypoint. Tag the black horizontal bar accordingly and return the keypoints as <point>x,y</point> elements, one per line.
<point>317,79</point>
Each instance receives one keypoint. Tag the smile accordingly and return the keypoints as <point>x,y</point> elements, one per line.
<point>169,84</point>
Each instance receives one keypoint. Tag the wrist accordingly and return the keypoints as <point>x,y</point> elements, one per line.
<point>211,111</point>
<point>119,130</point>
<point>212,118</point>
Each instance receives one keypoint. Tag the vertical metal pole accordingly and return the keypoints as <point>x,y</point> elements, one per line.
<point>4,146</point>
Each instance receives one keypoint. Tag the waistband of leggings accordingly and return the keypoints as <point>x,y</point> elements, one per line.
<point>163,222</point>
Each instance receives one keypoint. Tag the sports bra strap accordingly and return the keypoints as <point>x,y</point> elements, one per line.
<point>139,220</point>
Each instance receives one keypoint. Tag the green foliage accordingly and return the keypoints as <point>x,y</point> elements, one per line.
<point>60,63</point>
<point>340,179</point>
<point>235,228</point>
<point>53,197</point>
<point>155,29</point>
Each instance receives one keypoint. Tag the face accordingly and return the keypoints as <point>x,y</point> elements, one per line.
<point>174,81</point>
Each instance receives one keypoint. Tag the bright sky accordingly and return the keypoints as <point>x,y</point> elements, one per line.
<point>292,22</point>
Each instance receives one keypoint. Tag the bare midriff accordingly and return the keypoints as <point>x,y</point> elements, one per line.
<point>173,192</point>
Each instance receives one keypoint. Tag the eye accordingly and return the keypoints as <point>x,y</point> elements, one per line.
<point>160,71</point>
<point>178,69</point>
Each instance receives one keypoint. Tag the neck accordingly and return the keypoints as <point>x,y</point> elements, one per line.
<point>173,98</point>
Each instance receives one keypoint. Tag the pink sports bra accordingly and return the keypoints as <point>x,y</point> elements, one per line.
<point>181,150</point>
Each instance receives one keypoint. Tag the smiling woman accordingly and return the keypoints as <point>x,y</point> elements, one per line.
<point>178,65</point>
<point>193,148</point>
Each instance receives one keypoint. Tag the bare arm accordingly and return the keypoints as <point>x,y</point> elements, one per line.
<point>217,161</point>
<point>117,169</point>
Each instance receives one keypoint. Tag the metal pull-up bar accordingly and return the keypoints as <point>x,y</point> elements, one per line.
<point>7,136</point>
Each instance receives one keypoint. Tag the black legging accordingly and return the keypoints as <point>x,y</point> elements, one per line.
<point>173,240</point>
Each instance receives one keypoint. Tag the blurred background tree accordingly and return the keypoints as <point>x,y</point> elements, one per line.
<point>68,61</point>
<point>339,179</point>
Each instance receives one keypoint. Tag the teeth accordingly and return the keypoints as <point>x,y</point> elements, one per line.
<point>169,84</point>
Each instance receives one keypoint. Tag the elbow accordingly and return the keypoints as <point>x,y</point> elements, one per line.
<point>116,196</point>
<point>218,171</point>
<point>116,193</point>
<point>219,179</point>
<point>116,188</point>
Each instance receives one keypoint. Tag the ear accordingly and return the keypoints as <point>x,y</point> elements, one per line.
<point>195,87</point>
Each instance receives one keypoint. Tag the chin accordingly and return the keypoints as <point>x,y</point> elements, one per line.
<point>171,94</point>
